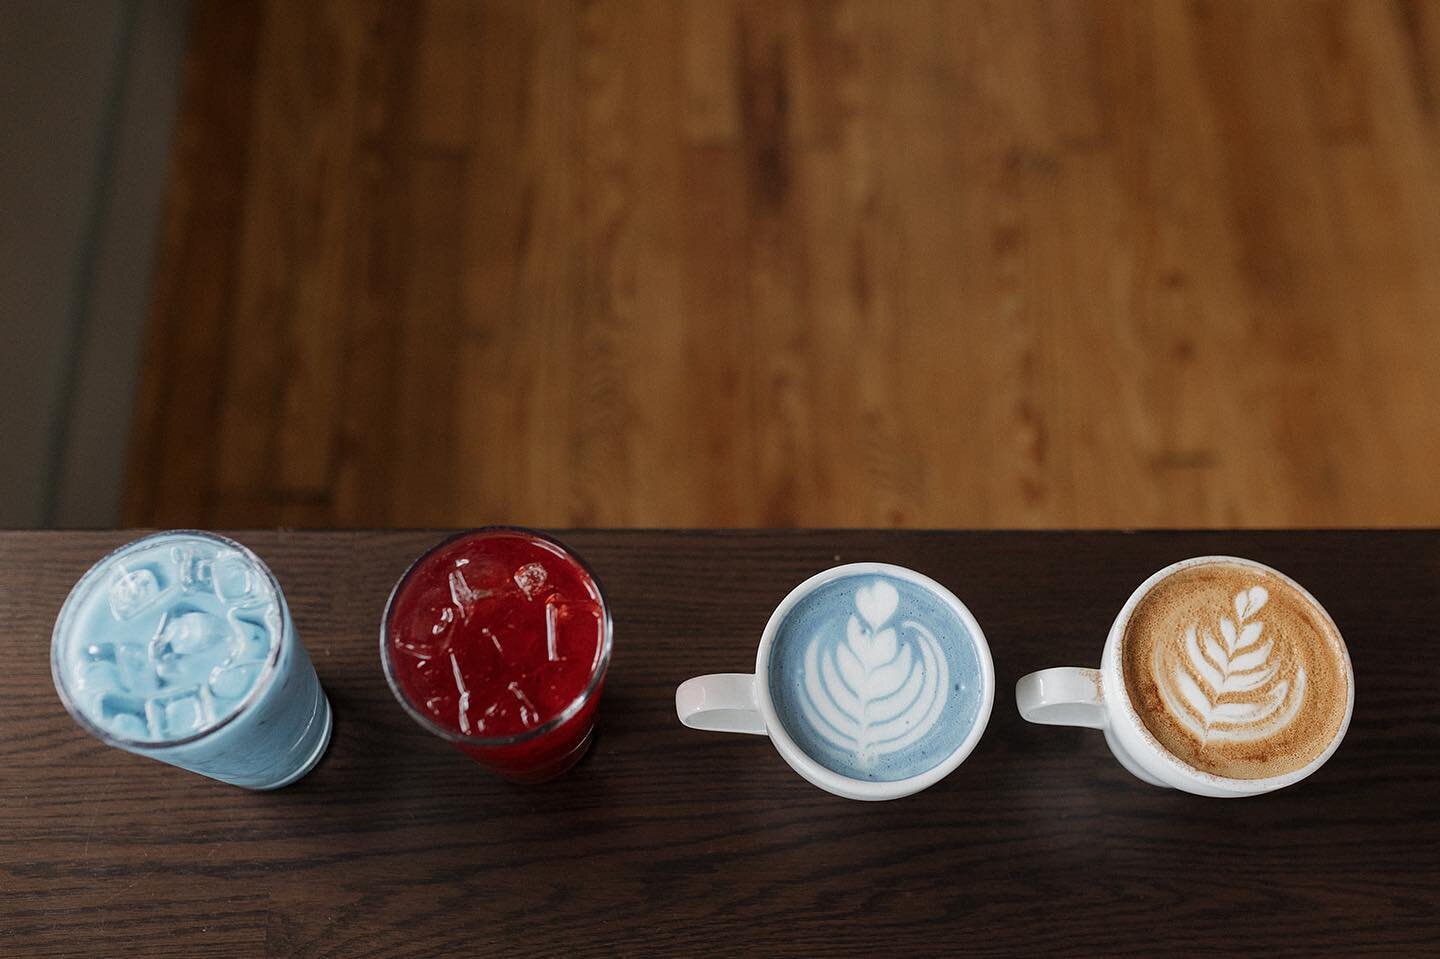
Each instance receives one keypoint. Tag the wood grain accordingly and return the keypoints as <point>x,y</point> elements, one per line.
<point>728,262</point>
<point>667,841</point>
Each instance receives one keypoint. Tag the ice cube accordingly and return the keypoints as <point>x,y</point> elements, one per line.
<point>234,681</point>
<point>98,675</point>
<point>249,640</point>
<point>423,647</point>
<point>529,715</point>
<point>189,645</point>
<point>137,675</point>
<point>128,725</point>
<point>131,592</point>
<point>114,702</point>
<point>184,712</point>
<point>111,708</point>
<point>193,632</point>
<point>195,570</point>
<point>530,578</point>
<point>484,573</point>
<point>100,651</point>
<point>235,582</point>
<point>552,629</point>
<point>462,595</point>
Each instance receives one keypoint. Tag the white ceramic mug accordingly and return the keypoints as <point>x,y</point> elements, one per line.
<point>741,702</point>
<point>1097,698</point>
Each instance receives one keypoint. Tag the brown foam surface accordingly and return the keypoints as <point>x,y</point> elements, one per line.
<point>1234,671</point>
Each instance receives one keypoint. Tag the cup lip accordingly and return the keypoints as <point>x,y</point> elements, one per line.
<point>89,581</point>
<point>837,783</point>
<point>602,664</point>
<point>1112,678</point>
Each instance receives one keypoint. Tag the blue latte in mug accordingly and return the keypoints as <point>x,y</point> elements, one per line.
<point>875,677</point>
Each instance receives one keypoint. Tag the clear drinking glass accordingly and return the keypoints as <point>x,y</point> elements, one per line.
<point>498,640</point>
<point>179,646</point>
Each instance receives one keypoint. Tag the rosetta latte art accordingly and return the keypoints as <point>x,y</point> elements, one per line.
<point>880,687</point>
<point>1232,686</point>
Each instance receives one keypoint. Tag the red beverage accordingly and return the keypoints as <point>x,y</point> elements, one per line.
<point>498,641</point>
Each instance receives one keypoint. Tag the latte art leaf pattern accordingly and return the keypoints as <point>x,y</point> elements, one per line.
<point>880,689</point>
<point>1230,686</point>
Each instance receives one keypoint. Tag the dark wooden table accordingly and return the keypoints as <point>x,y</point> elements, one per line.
<point>673,842</point>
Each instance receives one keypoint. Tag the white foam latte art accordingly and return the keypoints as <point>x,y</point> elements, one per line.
<point>883,687</point>
<point>1230,687</point>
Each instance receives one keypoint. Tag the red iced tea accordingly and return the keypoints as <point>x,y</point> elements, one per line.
<point>498,640</point>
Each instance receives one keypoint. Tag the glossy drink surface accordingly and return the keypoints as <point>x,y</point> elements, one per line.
<point>180,647</point>
<point>494,635</point>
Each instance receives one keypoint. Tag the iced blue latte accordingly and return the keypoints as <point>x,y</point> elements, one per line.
<point>179,646</point>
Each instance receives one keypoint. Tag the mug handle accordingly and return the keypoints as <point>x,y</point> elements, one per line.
<point>720,701</point>
<point>1063,696</point>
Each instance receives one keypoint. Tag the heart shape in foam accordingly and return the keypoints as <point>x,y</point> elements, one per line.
<point>877,603</point>
<point>1249,601</point>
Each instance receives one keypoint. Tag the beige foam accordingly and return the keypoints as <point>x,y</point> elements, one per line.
<point>1231,709</point>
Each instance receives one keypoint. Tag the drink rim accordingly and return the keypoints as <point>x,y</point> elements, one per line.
<point>602,662</point>
<point>89,581</point>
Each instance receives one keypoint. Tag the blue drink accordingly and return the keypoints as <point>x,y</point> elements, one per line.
<point>877,678</point>
<point>179,646</point>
